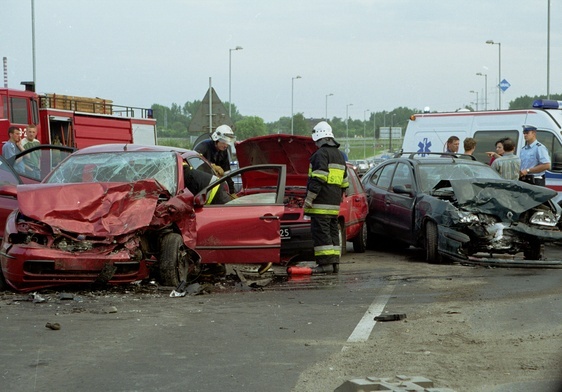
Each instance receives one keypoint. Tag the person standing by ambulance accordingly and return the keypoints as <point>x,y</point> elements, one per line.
<point>327,180</point>
<point>535,160</point>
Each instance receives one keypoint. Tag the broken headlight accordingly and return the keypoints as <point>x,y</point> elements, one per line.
<point>468,217</point>
<point>544,218</point>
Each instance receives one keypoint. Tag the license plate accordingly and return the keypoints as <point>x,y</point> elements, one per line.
<point>285,233</point>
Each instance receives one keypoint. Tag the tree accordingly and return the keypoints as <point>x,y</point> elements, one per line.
<point>250,126</point>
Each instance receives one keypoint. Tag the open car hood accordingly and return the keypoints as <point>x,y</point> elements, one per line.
<point>98,209</point>
<point>492,196</point>
<point>290,150</point>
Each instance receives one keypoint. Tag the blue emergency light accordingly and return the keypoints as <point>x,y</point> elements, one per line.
<point>547,104</point>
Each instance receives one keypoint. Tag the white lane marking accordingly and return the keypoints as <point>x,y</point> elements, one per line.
<point>363,329</point>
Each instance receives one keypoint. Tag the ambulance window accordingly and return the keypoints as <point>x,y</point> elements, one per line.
<point>486,141</point>
<point>554,149</point>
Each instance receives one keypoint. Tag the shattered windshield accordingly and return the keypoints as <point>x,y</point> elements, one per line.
<point>431,174</point>
<point>118,167</point>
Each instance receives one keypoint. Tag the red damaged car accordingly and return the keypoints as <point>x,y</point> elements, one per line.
<point>117,213</point>
<point>294,152</point>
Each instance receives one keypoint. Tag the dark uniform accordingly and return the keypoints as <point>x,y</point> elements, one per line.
<point>208,149</point>
<point>327,180</point>
<point>197,180</point>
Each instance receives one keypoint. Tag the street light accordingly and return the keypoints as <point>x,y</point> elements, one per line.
<point>327,95</point>
<point>485,89</point>
<point>364,126</point>
<point>391,125</point>
<point>347,128</point>
<point>475,92</point>
<point>490,42</point>
<point>292,100</point>
<point>230,78</point>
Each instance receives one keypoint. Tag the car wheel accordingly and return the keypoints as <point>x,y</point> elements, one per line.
<point>343,240</point>
<point>360,242</point>
<point>3,284</point>
<point>431,243</point>
<point>174,260</point>
<point>371,238</point>
<point>535,251</point>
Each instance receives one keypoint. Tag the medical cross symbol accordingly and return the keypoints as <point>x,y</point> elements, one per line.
<point>424,146</point>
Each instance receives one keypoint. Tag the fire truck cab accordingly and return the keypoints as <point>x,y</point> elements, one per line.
<point>76,122</point>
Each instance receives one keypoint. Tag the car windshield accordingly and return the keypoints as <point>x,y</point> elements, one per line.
<point>431,174</point>
<point>118,167</point>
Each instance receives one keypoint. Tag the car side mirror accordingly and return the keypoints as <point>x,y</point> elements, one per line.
<point>402,189</point>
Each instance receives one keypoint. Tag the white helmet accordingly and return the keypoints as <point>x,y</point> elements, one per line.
<point>322,130</point>
<point>224,134</point>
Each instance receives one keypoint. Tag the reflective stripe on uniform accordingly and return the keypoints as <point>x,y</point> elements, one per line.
<point>211,194</point>
<point>326,250</point>
<point>323,209</point>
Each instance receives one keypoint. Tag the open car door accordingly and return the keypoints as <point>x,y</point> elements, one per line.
<point>38,161</point>
<point>246,229</point>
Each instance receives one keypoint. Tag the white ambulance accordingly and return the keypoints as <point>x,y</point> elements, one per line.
<point>428,132</point>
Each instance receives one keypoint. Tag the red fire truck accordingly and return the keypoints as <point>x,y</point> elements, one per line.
<point>74,121</point>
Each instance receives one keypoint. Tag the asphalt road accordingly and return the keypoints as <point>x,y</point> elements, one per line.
<point>235,339</point>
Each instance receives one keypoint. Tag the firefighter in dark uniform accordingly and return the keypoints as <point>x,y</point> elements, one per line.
<point>327,180</point>
<point>196,180</point>
<point>215,150</point>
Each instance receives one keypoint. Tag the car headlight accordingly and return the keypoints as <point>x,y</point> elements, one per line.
<point>544,218</point>
<point>468,217</point>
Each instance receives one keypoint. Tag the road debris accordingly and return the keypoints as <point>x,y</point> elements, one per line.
<point>53,326</point>
<point>391,317</point>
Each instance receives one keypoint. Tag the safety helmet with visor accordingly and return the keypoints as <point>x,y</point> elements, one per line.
<point>321,131</point>
<point>224,134</point>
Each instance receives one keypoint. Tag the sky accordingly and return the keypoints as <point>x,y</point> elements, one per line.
<point>372,55</point>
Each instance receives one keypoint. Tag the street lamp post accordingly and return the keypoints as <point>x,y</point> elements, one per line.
<point>475,92</point>
<point>490,42</point>
<point>327,95</point>
<point>230,78</point>
<point>347,128</point>
<point>391,125</point>
<point>364,127</point>
<point>292,101</point>
<point>374,133</point>
<point>485,89</point>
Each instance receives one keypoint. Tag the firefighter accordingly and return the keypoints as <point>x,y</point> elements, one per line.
<point>197,180</point>
<point>215,150</point>
<point>327,180</point>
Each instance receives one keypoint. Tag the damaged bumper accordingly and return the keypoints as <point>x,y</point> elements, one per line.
<point>26,268</point>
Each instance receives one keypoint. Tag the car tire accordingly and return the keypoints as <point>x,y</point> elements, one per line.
<point>174,260</point>
<point>432,244</point>
<point>343,240</point>
<point>360,242</point>
<point>371,238</point>
<point>3,284</point>
<point>535,251</point>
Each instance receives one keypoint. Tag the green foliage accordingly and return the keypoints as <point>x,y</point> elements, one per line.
<point>173,122</point>
<point>250,126</point>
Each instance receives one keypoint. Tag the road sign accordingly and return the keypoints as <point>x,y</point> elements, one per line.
<point>504,85</point>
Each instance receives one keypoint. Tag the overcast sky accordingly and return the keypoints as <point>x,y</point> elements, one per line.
<point>374,54</point>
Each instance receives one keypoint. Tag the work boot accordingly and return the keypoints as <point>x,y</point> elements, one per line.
<point>336,267</point>
<point>322,269</point>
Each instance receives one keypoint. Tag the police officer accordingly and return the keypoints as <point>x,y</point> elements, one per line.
<point>535,160</point>
<point>327,180</point>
